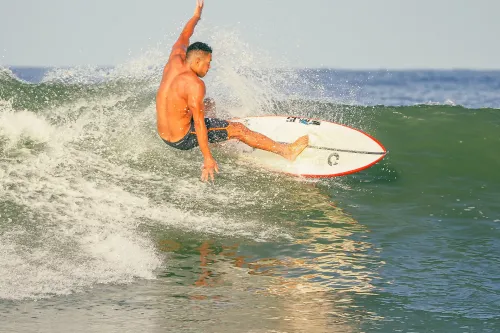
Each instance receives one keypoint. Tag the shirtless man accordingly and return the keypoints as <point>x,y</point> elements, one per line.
<point>180,108</point>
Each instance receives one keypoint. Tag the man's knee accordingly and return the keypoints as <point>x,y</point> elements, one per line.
<point>237,130</point>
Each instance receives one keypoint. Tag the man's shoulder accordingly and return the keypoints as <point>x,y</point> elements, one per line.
<point>190,78</point>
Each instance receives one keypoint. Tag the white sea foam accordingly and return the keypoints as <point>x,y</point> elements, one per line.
<point>16,126</point>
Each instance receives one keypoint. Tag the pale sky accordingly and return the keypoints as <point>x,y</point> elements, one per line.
<point>350,34</point>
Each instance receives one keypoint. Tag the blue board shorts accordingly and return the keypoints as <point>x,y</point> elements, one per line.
<point>217,132</point>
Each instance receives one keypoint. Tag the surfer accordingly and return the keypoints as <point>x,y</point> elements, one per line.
<point>180,106</point>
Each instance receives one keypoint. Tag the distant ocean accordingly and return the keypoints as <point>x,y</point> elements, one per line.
<point>103,228</point>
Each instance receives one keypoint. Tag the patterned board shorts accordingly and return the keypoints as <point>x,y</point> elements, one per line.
<point>217,132</point>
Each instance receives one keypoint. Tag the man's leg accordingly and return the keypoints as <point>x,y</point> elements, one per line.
<point>290,151</point>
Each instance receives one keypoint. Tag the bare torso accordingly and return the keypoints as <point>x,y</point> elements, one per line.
<point>172,113</point>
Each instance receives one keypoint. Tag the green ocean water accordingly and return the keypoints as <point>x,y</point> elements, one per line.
<point>104,229</point>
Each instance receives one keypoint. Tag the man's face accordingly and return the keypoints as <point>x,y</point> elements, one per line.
<point>203,64</point>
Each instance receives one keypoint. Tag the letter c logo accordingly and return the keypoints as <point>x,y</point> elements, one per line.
<point>334,162</point>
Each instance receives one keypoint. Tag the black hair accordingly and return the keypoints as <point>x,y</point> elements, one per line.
<point>198,46</point>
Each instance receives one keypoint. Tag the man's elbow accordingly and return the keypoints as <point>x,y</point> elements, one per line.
<point>198,117</point>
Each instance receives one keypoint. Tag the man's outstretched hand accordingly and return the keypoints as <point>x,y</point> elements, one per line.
<point>207,172</point>
<point>199,8</point>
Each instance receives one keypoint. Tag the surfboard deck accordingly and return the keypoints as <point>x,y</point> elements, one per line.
<point>334,149</point>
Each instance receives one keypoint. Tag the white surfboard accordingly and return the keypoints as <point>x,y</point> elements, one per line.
<point>334,149</point>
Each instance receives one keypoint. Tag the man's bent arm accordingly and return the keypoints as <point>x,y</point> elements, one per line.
<point>182,42</point>
<point>196,92</point>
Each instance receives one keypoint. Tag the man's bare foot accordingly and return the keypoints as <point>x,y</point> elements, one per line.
<point>294,149</point>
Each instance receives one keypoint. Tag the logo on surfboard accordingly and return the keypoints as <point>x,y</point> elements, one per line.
<point>304,121</point>
<point>333,159</point>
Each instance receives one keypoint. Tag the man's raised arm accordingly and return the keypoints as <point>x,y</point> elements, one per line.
<point>182,42</point>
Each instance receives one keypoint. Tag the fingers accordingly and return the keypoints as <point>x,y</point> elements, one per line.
<point>204,175</point>
<point>199,8</point>
<point>208,174</point>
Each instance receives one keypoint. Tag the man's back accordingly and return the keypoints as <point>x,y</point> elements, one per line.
<point>173,115</point>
